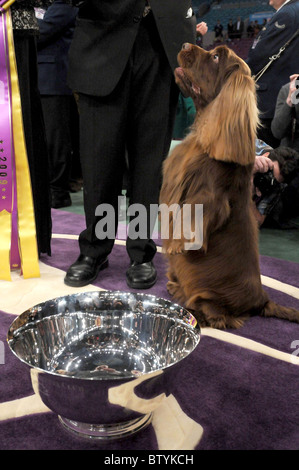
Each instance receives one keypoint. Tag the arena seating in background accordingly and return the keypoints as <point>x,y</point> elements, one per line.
<point>240,47</point>
<point>226,10</point>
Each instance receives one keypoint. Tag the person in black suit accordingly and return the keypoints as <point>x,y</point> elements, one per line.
<point>121,66</point>
<point>283,24</point>
<point>56,26</point>
<point>238,28</point>
<point>230,30</point>
<point>218,28</point>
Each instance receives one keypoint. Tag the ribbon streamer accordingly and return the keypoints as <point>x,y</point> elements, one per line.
<point>18,246</point>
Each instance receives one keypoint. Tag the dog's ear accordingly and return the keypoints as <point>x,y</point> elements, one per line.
<point>228,124</point>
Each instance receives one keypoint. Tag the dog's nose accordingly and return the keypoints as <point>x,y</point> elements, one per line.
<point>186,46</point>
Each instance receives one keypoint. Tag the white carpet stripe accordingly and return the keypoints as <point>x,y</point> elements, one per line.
<point>65,235</point>
<point>21,294</point>
<point>250,344</point>
<point>75,237</point>
<point>280,286</point>
<point>22,407</point>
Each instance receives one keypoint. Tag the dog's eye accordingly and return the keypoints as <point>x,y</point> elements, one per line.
<point>216,57</point>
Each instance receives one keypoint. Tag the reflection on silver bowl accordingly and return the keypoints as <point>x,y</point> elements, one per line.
<point>104,360</point>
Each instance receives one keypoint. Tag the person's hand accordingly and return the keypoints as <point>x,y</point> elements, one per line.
<point>292,99</point>
<point>262,163</point>
<point>202,28</point>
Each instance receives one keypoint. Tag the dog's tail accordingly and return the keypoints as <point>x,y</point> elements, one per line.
<point>271,309</point>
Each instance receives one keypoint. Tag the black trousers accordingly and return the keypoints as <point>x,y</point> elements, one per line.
<point>35,136</point>
<point>57,111</point>
<point>137,119</point>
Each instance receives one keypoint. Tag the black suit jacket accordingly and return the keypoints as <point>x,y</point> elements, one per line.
<point>105,34</point>
<point>277,32</point>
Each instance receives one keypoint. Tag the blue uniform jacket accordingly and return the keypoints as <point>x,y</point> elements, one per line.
<point>278,31</point>
<point>56,32</point>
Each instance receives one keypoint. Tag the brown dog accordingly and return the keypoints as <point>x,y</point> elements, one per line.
<point>220,282</point>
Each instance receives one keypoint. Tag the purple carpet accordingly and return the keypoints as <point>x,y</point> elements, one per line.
<point>243,397</point>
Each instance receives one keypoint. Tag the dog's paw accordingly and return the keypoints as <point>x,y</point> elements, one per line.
<point>172,287</point>
<point>173,252</point>
<point>200,317</point>
<point>176,249</point>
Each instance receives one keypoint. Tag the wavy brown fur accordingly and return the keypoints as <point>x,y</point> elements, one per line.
<point>220,282</point>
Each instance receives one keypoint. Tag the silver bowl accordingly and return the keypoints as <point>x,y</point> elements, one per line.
<point>103,361</point>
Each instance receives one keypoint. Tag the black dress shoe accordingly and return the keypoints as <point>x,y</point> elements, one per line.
<point>84,271</point>
<point>141,275</point>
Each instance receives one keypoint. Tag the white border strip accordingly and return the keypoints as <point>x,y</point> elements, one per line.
<point>250,344</point>
<point>280,286</point>
<point>75,237</point>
